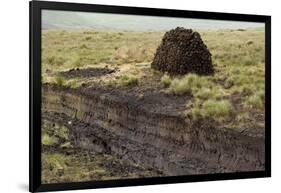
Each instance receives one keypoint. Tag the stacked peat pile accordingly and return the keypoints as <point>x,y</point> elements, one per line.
<point>183,51</point>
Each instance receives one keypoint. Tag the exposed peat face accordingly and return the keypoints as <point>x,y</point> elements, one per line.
<point>108,122</point>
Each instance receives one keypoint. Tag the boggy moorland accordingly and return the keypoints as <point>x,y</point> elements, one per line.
<point>108,115</point>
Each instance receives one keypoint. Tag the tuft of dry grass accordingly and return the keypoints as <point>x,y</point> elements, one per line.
<point>124,81</point>
<point>166,80</point>
<point>218,110</point>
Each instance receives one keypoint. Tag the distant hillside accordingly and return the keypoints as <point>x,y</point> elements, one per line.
<point>69,20</point>
<point>63,20</point>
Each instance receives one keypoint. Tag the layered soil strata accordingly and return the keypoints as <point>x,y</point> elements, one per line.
<point>151,131</point>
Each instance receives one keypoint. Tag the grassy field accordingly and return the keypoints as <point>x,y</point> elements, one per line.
<point>233,96</point>
<point>238,57</point>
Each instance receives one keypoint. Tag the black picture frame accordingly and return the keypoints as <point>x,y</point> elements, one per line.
<point>35,8</point>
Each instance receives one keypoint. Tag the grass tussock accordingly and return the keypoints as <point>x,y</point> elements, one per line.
<point>187,84</point>
<point>166,80</point>
<point>255,102</point>
<point>213,92</point>
<point>124,81</point>
<point>62,82</point>
<point>218,110</point>
<point>48,140</point>
<point>128,80</point>
<point>56,161</point>
<point>54,134</point>
<point>201,87</point>
<point>54,60</point>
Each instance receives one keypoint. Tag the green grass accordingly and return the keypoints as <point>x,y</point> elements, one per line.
<point>199,86</point>
<point>73,84</point>
<point>128,80</point>
<point>218,110</point>
<point>54,60</point>
<point>179,87</point>
<point>83,166</point>
<point>187,84</point>
<point>125,81</point>
<point>56,161</point>
<point>53,134</point>
<point>66,145</point>
<point>212,92</point>
<point>70,49</point>
<point>48,140</point>
<point>60,81</point>
<point>166,80</point>
<point>255,102</point>
<point>77,61</point>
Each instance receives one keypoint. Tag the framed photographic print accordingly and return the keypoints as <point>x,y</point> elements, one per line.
<point>126,96</point>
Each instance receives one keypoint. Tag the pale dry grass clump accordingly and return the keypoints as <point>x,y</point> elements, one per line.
<point>255,101</point>
<point>133,54</point>
<point>190,83</point>
<point>166,80</point>
<point>124,81</point>
<point>218,110</point>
